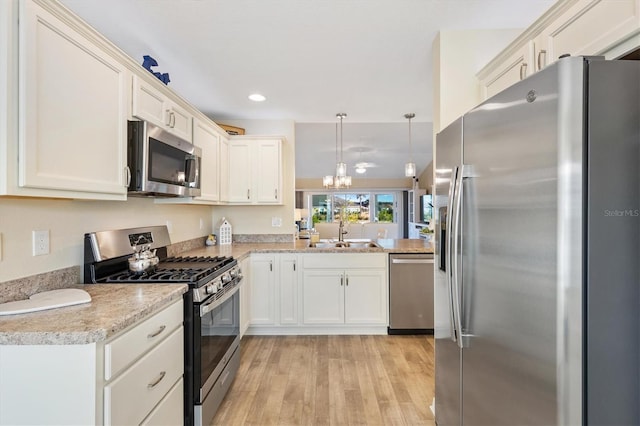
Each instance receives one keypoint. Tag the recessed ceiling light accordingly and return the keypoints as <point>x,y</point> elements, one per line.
<point>257,97</point>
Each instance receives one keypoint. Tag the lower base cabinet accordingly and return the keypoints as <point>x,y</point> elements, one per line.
<point>318,293</point>
<point>337,296</point>
<point>135,377</point>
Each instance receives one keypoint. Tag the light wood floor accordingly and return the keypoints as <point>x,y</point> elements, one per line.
<point>331,380</point>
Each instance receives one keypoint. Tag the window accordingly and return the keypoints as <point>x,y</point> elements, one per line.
<point>355,207</point>
<point>384,208</point>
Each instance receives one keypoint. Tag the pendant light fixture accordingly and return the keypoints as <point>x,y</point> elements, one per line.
<point>341,179</point>
<point>410,167</point>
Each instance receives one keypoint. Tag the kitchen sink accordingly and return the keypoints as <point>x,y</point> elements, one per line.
<point>360,243</point>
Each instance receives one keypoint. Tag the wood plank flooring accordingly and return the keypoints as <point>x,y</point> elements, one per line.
<point>331,380</point>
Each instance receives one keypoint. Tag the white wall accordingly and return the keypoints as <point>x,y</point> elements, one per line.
<point>68,220</point>
<point>257,219</point>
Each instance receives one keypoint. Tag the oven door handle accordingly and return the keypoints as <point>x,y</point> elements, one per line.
<point>207,307</point>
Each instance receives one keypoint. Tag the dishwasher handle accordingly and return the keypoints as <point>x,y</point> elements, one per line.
<point>412,260</point>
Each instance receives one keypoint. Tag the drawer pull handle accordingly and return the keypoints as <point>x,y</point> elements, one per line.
<point>160,330</point>
<point>158,380</point>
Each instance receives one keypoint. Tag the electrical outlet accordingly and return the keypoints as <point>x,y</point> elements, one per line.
<point>276,222</point>
<point>201,224</point>
<point>40,242</point>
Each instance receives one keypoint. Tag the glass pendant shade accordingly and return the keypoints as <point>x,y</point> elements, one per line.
<point>340,180</point>
<point>410,169</point>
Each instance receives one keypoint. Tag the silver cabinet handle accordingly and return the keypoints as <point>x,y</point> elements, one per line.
<point>294,265</point>
<point>523,70</point>
<point>347,280</point>
<point>127,173</point>
<point>248,194</point>
<point>271,266</point>
<point>160,330</point>
<point>173,119</point>
<point>276,193</point>
<point>542,53</point>
<point>158,380</point>
<point>168,119</point>
<point>341,280</point>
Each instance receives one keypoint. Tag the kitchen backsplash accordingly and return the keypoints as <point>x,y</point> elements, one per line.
<point>262,238</point>
<point>22,288</point>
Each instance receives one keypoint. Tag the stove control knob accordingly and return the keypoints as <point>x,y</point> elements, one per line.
<point>234,273</point>
<point>226,278</point>
<point>210,289</point>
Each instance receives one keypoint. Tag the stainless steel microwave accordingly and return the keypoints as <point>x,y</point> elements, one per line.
<point>161,164</point>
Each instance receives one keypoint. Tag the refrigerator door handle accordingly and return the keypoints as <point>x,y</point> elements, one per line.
<point>457,212</point>
<point>449,252</point>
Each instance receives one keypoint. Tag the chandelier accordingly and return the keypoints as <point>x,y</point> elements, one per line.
<point>341,179</point>
<point>410,167</point>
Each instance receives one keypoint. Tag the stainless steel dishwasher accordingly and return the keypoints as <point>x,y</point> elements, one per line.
<point>411,293</point>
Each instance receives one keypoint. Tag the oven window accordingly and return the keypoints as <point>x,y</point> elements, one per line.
<point>218,329</point>
<point>166,163</point>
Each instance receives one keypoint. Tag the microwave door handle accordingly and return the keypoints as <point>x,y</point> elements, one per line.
<point>191,170</point>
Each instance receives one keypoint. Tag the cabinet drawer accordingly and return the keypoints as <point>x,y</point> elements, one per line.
<point>125,349</point>
<point>130,398</point>
<point>170,411</point>
<point>345,260</point>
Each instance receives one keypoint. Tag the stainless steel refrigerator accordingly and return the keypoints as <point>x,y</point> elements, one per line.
<point>537,207</point>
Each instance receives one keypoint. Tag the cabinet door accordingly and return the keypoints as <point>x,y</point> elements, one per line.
<point>147,103</point>
<point>288,266</point>
<point>180,122</point>
<point>591,27</point>
<point>516,68</point>
<point>224,169</point>
<point>365,297</point>
<point>240,172</point>
<point>323,296</point>
<point>73,109</point>
<point>268,172</point>
<point>262,290</point>
<point>205,137</point>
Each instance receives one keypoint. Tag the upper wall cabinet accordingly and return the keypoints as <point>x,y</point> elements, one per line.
<point>255,170</point>
<point>66,123</point>
<point>152,105</point>
<point>575,27</point>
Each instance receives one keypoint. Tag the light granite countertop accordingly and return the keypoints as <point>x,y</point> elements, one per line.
<point>241,250</point>
<point>113,308</point>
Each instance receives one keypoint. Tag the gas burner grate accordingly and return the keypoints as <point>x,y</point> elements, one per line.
<point>163,275</point>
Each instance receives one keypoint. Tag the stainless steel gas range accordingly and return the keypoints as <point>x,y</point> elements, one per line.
<point>211,306</point>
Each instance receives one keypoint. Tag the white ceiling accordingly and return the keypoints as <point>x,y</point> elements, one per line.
<point>311,59</point>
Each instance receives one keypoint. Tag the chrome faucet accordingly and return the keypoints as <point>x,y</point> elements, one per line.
<point>341,231</point>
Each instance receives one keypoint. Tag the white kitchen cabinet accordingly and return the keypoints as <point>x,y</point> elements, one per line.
<point>263,282</point>
<point>66,120</point>
<point>589,27</point>
<point>288,271</point>
<point>515,68</point>
<point>255,170</point>
<point>207,138</point>
<point>574,27</point>
<point>224,169</point>
<point>150,104</point>
<point>345,289</point>
<point>133,377</point>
